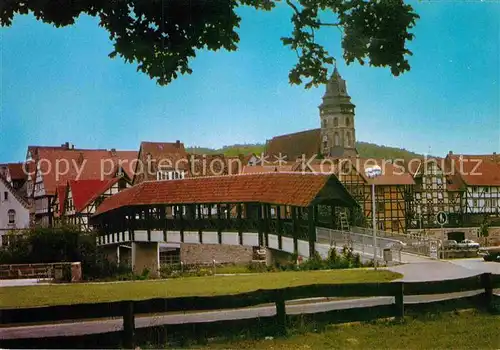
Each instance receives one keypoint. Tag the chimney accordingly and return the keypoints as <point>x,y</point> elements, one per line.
<point>113,151</point>
<point>178,144</point>
<point>80,159</point>
<point>450,153</point>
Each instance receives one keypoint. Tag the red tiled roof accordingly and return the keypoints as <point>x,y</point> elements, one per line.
<point>255,169</point>
<point>16,171</point>
<point>318,166</point>
<point>474,170</point>
<point>59,165</point>
<point>128,160</point>
<point>85,192</point>
<point>275,188</point>
<point>295,145</point>
<point>213,165</point>
<point>392,174</point>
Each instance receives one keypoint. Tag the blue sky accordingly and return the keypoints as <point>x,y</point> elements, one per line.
<point>59,85</point>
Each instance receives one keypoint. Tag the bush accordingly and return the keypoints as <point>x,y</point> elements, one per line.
<point>345,260</point>
<point>185,270</point>
<point>62,244</point>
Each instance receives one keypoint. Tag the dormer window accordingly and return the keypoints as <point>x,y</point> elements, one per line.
<point>169,175</point>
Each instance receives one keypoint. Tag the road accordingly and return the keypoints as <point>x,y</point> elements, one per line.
<point>430,270</point>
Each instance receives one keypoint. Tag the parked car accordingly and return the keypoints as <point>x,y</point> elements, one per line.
<point>449,244</point>
<point>490,254</point>
<point>468,244</point>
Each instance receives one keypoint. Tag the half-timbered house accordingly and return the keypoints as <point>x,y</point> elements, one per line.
<point>76,201</point>
<point>435,191</point>
<point>477,179</point>
<point>57,165</point>
<point>161,161</point>
<point>393,189</point>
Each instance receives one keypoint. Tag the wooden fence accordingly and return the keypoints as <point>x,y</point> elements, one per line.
<point>129,308</point>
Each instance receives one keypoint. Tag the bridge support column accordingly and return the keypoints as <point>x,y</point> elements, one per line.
<point>111,253</point>
<point>311,231</point>
<point>146,256</point>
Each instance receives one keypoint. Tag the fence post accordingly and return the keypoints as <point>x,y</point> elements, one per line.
<point>399,300</point>
<point>280,312</point>
<point>128,324</point>
<point>488,289</point>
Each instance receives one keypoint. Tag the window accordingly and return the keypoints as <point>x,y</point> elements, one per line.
<point>324,123</point>
<point>440,195</point>
<point>336,139</point>
<point>486,189</point>
<point>474,203</point>
<point>122,184</point>
<point>335,122</point>
<point>380,206</point>
<point>12,216</point>
<point>395,225</point>
<point>439,181</point>
<point>6,196</point>
<point>169,175</point>
<point>348,139</point>
<point>161,175</point>
<point>347,122</point>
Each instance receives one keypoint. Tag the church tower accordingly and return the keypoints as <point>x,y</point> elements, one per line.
<point>338,136</point>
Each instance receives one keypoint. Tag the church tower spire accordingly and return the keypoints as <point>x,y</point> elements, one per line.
<point>338,136</point>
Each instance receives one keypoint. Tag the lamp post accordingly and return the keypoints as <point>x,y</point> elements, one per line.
<point>372,173</point>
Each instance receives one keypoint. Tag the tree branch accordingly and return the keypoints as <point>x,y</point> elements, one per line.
<point>328,24</point>
<point>293,7</point>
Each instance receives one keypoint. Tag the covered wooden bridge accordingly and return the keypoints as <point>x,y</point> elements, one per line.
<point>275,210</point>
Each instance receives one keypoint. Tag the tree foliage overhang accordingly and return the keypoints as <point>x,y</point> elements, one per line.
<point>161,36</point>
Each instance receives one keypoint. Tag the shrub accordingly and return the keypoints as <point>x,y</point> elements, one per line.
<point>62,244</point>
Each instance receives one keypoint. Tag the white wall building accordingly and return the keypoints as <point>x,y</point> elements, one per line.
<point>14,210</point>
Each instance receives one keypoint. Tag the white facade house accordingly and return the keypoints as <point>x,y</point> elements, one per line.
<point>14,210</point>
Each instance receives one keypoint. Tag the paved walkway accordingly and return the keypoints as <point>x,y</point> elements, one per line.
<point>438,270</point>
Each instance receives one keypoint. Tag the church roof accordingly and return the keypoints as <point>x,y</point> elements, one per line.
<point>294,145</point>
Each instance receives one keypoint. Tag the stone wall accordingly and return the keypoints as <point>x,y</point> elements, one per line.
<point>221,253</point>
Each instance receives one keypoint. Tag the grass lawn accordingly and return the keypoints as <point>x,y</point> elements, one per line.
<point>464,330</point>
<point>62,294</point>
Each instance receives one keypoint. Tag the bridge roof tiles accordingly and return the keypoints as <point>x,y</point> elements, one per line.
<point>282,188</point>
